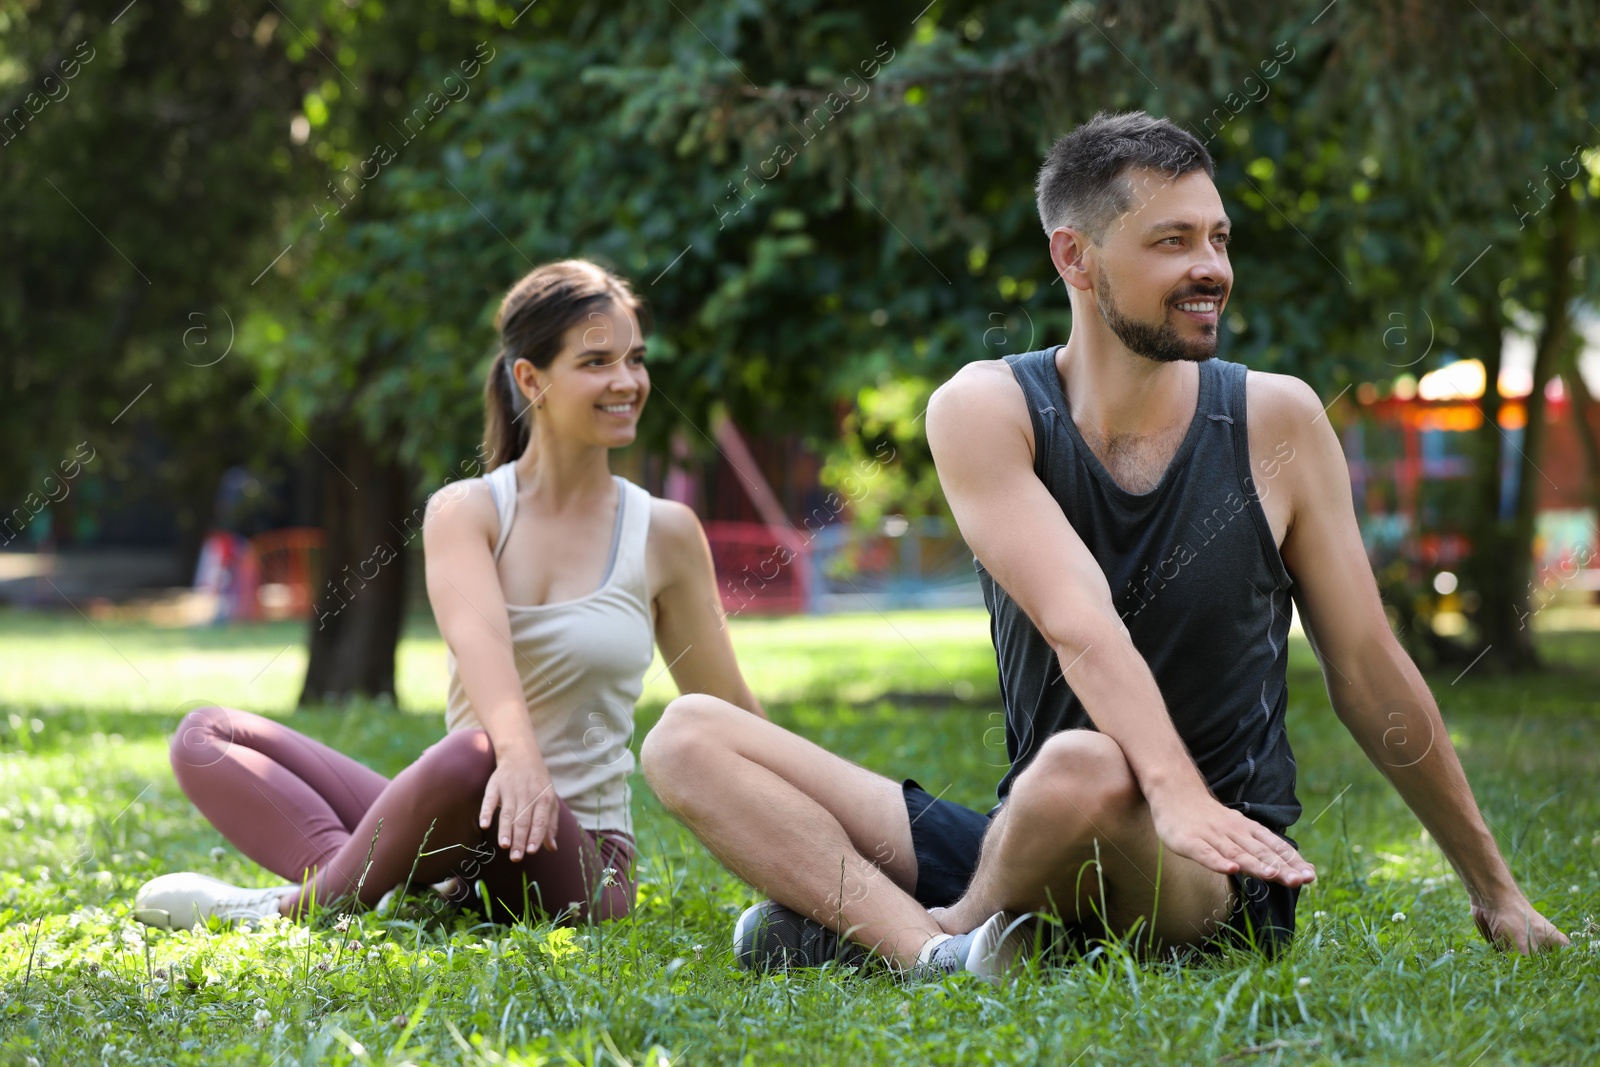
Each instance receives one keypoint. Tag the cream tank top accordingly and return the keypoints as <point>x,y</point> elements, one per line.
<point>582,664</point>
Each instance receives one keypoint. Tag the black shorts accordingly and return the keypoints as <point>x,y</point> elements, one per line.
<point>946,838</point>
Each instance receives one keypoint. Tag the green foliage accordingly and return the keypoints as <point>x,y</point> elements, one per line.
<point>143,157</point>
<point>825,204</point>
<point>886,428</point>
<point>816,199</point>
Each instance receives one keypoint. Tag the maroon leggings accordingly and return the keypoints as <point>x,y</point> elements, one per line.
<point>310,815</point>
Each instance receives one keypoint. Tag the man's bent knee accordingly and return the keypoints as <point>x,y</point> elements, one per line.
<point>1079,779</point>
<point>687,734</point>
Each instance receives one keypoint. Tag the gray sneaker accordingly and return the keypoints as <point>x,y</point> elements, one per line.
<point>771,937</point>
<point>992,951</point>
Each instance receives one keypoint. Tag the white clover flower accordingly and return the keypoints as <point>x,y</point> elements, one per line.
<point>1399,917</point>
<point>263,1018</point>
<point>1319,915</point>
<point>219,854</point>
<point>1303,982</point>
<point>608,877</point>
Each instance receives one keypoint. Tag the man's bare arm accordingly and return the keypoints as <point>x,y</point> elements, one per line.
<point>980,437</point>
<point>1375,688</point>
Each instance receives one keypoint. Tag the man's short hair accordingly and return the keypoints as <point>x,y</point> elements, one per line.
<point>1083,182</point>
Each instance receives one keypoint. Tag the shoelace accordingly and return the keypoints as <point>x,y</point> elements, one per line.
<point>948,957</point>
<point>818,944</point>
<point>255,906</point>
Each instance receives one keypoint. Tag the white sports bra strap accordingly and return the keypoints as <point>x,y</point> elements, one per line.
<point>503,487</point>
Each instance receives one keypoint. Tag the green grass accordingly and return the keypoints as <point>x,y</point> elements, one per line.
<point>89,810</point>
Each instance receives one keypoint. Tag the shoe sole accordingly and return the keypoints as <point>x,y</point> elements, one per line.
<point>161,919</point>
<point>748,919</point>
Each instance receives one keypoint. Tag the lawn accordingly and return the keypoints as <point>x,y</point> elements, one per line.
<point>1387,967</point>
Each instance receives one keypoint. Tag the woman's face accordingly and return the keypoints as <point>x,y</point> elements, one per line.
<point>595,388</point>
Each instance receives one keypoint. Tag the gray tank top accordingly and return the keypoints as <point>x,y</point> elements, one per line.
<point>1196,577</point>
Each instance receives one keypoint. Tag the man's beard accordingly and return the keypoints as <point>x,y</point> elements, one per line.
<point>1161,343</point>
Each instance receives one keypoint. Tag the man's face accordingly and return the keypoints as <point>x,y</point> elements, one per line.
<point>1162,274</point>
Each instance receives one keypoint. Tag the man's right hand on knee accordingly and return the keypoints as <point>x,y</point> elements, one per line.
<point>1198,826</point>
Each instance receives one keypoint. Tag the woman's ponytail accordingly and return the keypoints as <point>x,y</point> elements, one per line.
<point>505,422</point>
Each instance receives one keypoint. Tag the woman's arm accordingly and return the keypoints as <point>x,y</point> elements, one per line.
<point>471,611</point>
<point>691,630</point>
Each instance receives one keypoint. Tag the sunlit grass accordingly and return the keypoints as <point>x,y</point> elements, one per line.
<point>89,809</point>
<point>58,661</point>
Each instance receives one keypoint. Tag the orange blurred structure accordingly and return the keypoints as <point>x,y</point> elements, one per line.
<point>286,562</point>
<point>1406,446</point>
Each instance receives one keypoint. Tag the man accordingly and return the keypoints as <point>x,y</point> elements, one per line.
<point>1141,514</point>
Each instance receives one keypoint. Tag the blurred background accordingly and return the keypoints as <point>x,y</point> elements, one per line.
<point>250,255</point>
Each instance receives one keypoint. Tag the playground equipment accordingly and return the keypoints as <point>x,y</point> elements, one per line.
<point>268,576</point>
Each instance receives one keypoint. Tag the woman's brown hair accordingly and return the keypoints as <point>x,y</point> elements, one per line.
<point>533,317</point>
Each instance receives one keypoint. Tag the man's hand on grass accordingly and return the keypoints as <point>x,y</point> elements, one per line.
<point>1515,924</point>
<point>1196,825</point>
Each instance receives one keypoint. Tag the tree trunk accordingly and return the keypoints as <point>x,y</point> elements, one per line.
<point>1496,615</point>
<point>1503,548</point>
<point>1546,355</point>
<point>360,594</point>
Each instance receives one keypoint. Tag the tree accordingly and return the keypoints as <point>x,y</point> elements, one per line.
<point>824,203</point>
<point>1492,207</point>
<point>816,200</point>
<point>142,154</point>
<point>365,335</point>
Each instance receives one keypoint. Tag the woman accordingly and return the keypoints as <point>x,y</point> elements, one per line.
<point>549,576</point>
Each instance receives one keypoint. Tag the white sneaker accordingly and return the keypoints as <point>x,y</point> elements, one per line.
<point>993,951</point>
<point>181,901</point>
<point>1000,945</point>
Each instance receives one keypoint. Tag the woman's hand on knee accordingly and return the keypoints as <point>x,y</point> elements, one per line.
<point>522,791</point>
